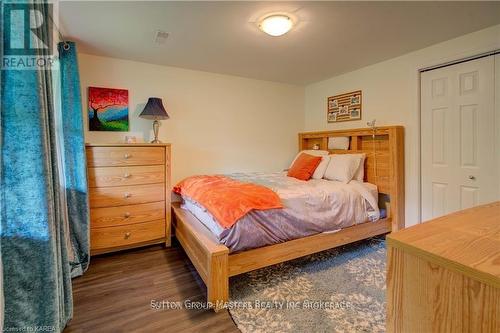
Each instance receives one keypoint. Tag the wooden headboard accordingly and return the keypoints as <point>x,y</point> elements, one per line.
<point>384,164</point>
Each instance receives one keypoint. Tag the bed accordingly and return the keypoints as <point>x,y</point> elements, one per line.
<point>264,238</point>
<point>310,207</point>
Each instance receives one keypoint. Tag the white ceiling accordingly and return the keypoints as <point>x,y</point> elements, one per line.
<point>331,37</point>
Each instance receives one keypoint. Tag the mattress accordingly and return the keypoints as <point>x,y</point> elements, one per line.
<point>310,207</point>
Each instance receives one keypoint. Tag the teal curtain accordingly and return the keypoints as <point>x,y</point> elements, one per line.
<point>43,209</point>
<point>73,158</point>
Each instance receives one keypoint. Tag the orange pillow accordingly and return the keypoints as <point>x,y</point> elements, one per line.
<point>304,166</point>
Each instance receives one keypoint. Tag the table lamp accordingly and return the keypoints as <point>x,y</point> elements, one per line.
<point>154,110</point>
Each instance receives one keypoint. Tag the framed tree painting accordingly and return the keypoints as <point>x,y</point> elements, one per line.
<point>108,109</point>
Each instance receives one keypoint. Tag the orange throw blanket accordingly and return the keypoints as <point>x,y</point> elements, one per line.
<point>227,199</point>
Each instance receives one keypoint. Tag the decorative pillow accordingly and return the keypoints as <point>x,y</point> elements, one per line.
<point>304,166</point>
<point>311,152</point>
<point>342,167</point>
<point>320,170</point>
<point>360,173</point>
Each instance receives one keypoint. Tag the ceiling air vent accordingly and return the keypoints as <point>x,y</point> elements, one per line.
<point>160,37</point>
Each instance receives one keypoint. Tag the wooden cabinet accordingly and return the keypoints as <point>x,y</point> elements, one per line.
<point>129,195</point>
<point>444,275</point>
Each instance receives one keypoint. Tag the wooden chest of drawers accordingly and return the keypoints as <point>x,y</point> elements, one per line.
<point>129,195</point>
<point>444,275</point>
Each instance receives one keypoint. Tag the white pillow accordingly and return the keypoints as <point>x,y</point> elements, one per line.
<point>311,152</point>
<point>360,173</point>
<point>342,167</point>
<point>321,168</point>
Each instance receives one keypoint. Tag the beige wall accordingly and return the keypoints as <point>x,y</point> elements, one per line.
<point>391,95</point>
<point>217,124</point>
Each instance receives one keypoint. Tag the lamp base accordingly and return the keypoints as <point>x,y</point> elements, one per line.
<point>156,126</point>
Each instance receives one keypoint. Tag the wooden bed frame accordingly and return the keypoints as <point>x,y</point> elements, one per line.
<point>215,264</point>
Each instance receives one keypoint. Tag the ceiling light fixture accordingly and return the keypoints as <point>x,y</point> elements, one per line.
<point>276,24</point>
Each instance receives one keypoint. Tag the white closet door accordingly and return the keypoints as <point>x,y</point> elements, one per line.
<point>459,160</point>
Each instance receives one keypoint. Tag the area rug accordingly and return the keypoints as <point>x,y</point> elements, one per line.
<point>339,290</point>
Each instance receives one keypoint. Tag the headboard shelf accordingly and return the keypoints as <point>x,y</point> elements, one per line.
<point>384,163</point>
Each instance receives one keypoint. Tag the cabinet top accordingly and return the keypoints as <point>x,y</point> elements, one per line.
<point>467,241</point>
<point>139,144</point>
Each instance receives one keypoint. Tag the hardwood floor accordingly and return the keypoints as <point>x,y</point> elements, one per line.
<point>115,294</point>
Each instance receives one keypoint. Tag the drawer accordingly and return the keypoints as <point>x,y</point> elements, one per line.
<point>122,156</point>
<point>123,215</point>
<point>125,195</point>
<point>120,176</point>
<point>110,237</point>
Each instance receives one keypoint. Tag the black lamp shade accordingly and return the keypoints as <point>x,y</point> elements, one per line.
<point>154,109</point>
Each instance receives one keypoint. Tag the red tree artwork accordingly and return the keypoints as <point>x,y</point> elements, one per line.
<point>108,109</point>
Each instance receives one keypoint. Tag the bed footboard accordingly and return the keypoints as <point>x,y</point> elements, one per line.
<point>208,256</point>
<point>215,265</point>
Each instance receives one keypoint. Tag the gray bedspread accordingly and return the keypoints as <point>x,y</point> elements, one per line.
<point>310,207</point>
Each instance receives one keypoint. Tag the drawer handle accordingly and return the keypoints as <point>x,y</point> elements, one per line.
<point>127,175</point>
<point>127,214</point>
<point>127,195</point>
<point>127,235</point>
<point>127,156</point>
